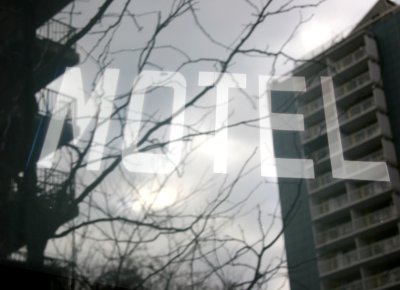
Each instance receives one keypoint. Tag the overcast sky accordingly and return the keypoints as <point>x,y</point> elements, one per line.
<point>223,20</point>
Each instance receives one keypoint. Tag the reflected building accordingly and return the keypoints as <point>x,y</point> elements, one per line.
<point>34,52</point>
<point>344,234</point>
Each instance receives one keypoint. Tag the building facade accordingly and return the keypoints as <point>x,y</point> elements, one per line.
<point>34,53</point>
<point>345,233</point>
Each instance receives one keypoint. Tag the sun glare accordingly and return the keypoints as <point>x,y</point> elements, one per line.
<point>155,200</point>
<point>314,35</point>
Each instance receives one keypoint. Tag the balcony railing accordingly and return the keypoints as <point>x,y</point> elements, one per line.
<point>360,136</point>
<point>349,59</point>
<point>315,105</point>
<point>21,257</point>
<point>381,247</point>
<point>313,132</point>
<point>330,205</point>
<point>51,182</point>
<point>55,31</point>
<point>357,110</point>
<point>368,190</point>
<point>343,260</point>
<point>355,285</point>
<point>319,154</point>
<point>376,156</point>
<point>353,84</point>
<point>320,182</point>
<point>362,222</point>
<point>311,107</point>
<point>360,193</point>
<point>339,261</point>
<point>384,279</point>
<point>334,233</point>
<point>52,103</point>
<point>375,218</point>
<point>348,141</point>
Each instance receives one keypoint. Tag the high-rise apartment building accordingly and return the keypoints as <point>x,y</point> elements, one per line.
<point>345,233</point>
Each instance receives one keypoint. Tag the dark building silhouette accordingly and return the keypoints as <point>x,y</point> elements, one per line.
<point>33,53</point>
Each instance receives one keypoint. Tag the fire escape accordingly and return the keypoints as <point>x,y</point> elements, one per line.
<point>20,143</point>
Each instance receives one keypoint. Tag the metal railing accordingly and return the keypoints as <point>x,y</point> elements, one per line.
<point>368,190</point>
<point>21,257</point>
<point>313,132</point>
<point>53,103</point>
<point>315,105</point>
<point>319,154</point>
<point>320,181</point>
<point>319,129</point>
<point>381,247</point>
<point>362,222</point>
<point>56,31</point>
<point>355,285</point>
<point>375,218</point>
<point>311,107</point>
<point>330,205</point>
<point>360,136</point>
<point>51,182</point>
<point>353,84</point>
<point>339,261</point>
<point>384,279</point>
<point>348,141</point>
<point>375,156</point>
<point>334,233</point>
<point>349,59</point>
<point>343,260</point>
<point>357,110</point>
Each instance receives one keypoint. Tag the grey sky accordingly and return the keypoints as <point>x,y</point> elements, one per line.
<point>223,20</point>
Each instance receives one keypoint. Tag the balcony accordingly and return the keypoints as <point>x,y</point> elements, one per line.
<point>361,136</point>
<point>50,182</point>
<point>340,260</point>
<point>313,132</point>
<point>350,140</point>
<point>51,103</point>
<point>349,60</point>
<point>320,182</point>
<point>352,85</point>
<point>343,260</point>
<point>315,105</point>
<point>375,156</point>
<point>381,247</point>
<point>355,285</point>
<point>357,110</point>
<point>363,222</point>
<point>56,31</point>
<point>319,155</point>
<point>375,218</point>
<point>311,107</point>
<point>333,204</point>
<point>384,279</point>
<point>334,233</point>
<point>330,205</point>
<point>368,190</point>
<point>48,263</point>
<point>49,54</point>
